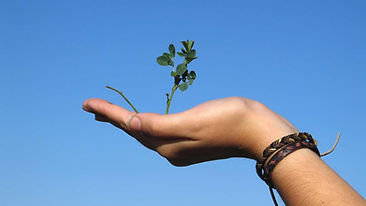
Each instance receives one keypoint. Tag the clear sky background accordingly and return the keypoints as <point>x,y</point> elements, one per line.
<point>304,59</point>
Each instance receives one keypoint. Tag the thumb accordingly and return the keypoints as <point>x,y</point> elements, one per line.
<point>151,124</point>
<point>114,114</point>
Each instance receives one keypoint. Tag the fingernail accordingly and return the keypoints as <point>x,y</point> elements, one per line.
<point>133,123</point>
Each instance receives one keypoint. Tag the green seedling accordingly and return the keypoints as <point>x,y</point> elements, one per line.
<point>182,77</point>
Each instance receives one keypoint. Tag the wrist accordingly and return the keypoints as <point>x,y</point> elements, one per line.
<point>261,127</point>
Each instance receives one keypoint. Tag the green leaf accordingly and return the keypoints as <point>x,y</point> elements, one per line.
<point>188,60</point>
<point>170,61</point>
<point>183,87</point>
<point>190,81</point>
<point>191,75</point>
<point>173,73</point>
<point>184,51</point>
<point>172,50</point>
<point>190,45</point>
<point>181,54</point>
<point>191,53</point>
<point>181,68</point>
<point>185,44</point>
<point>163,60</point>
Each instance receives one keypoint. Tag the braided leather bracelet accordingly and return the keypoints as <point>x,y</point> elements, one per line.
<point>281,148</point>
<point>276,145</point>
<point>282,153</point>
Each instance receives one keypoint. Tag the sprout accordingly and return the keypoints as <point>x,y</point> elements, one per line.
<point>180,73</point>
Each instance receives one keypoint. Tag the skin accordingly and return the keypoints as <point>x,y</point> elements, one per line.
<point>232,127</point>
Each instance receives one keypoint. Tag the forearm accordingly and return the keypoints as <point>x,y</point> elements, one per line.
<point>302,178</point>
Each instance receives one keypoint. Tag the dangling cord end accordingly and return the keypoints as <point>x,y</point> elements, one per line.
<point>334,146</point>
<point>273,196</point>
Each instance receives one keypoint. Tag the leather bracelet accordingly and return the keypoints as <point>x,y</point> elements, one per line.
<point>279,149</point>
<point>282,153</point>
<point>276,145</point>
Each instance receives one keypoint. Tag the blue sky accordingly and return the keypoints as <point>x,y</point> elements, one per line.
<point>305,60</point>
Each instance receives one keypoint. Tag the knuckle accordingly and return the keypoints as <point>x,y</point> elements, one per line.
<point>256,106</point>
<point>239,104</point>
<point>246,105</point>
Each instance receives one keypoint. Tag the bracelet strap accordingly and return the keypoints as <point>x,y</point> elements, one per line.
<point>282,153</point>
<point>279,149</point>
<point>276,145</point>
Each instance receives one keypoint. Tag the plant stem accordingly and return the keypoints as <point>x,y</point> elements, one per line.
<point>119,92</point>
<point>175,87</point>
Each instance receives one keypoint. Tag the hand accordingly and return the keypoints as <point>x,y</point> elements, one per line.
<point>223,128</point>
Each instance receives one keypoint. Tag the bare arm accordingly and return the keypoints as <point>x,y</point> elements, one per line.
<point>232,127</point>
<point>303,178</point>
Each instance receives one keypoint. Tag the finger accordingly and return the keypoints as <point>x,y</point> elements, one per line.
<point>101,118</point>
<point>151,124</point>
<point>108,111</point>
<point>162,126</point>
